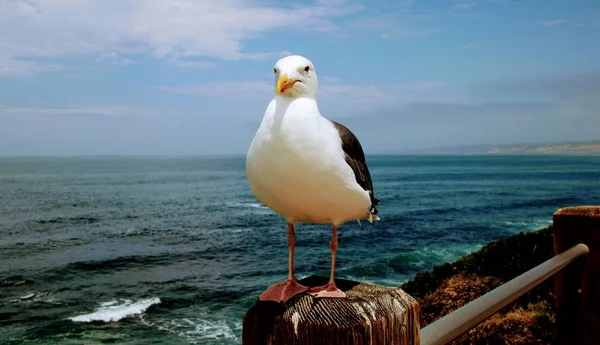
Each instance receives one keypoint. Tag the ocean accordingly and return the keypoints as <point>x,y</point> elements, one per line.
<point>174,250</point>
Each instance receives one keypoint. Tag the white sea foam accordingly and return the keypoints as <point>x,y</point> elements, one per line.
<point>113,311</point>
<point>528,225</point>
<point>253,207</point>
<point>218,329</point>
<point>254,204</point>
<point>440,254</point>
<point>36,297</point>
<point>199,330</point>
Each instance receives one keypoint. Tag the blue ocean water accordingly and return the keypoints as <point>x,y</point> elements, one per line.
<point>175,250</point>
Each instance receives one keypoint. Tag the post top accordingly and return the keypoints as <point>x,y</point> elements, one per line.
<point>578,211</point>
<point>364,301</point>
<point>370,314</point>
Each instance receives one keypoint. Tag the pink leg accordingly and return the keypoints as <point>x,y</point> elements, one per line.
<point>330,290</point>
<point>283,291</point>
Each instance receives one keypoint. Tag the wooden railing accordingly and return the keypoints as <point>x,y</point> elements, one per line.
<point>378,315</point>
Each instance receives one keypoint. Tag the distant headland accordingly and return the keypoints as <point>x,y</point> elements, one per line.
<point>580,147</point>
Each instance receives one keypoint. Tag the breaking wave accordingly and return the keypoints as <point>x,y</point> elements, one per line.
<point>112,311</point>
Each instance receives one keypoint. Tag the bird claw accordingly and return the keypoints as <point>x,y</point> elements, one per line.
<point>283,291</point>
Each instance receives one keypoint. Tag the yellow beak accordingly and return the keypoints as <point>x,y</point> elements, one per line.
<point>284,83</point>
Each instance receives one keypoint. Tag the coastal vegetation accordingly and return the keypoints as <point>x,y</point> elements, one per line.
<point>529,320</point>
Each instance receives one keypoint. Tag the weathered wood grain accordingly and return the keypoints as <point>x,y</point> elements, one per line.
<point>371,315</point>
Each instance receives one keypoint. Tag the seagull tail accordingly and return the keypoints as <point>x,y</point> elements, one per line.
<point>373,214</point>
<point>373,217</point>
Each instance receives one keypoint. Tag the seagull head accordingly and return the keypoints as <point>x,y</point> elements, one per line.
<point>295,77</point>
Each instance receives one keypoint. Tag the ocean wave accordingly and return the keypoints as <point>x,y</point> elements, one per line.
<point>123,262</point>
<point>530,225</point>
<point>112,311</point>
<point>486,208</point>
<point>556,202</point>
<point>202,330</point>
<point>72,220</point>
<point>15,280</point>
<point>423,257</point>
<point>406,264</point>
<point>246,204</point>
<point>36,298</point>
<point>253,207</point>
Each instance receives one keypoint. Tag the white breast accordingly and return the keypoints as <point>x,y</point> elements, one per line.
<point>296,166</point>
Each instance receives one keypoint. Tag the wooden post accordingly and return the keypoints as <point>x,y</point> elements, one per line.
<point>578,285</point>
<point>370,315</point>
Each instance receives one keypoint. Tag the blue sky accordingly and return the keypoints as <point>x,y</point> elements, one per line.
<point>163,77</point>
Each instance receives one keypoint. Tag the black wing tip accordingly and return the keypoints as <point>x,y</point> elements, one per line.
<point>374,202</point>
<point>373,210</point>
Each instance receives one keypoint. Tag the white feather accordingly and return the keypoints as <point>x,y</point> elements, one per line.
<point>296,166</point>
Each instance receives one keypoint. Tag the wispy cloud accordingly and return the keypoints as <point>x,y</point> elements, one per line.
<point>42,31</point>
<point>555,22</point>
<point>468,45</point>
<point>395,25</point>
<point>573,94</point>
<point>10,67</point>
<point>190,63</point>
<point>113,58</point>
<point>468,124</point>
<point>185,33</point>
<point>498,112</point>
<point>463,5</point>
<point>331,90</point>
<point>369,93</point>
<point>242,89</point>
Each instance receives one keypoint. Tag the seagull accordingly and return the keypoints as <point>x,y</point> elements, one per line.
<point>307,169</point>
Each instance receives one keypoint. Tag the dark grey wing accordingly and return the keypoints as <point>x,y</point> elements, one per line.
<point>355,157</point>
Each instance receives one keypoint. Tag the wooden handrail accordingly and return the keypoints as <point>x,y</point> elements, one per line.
<point>453,325</point>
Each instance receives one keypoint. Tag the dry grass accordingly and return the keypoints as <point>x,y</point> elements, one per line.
<point>451,295</point>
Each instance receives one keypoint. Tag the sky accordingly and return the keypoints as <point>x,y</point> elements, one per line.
<point>194,77</point>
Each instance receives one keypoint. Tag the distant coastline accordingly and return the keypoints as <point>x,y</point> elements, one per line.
<point>586,147</point>
<point>569,148</point>
<point>580,147</point>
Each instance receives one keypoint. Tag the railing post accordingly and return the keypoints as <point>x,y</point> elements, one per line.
<point>578,285</point>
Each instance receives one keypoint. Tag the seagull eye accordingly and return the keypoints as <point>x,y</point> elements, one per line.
<point>275,70</point>
<point>307,68</point>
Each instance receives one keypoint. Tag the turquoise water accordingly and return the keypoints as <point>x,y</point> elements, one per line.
<point>177,249</point>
